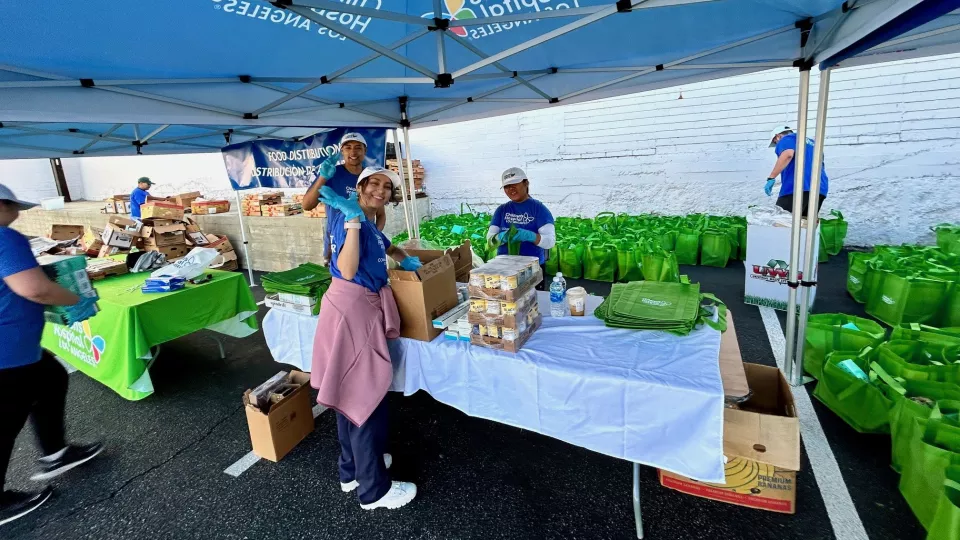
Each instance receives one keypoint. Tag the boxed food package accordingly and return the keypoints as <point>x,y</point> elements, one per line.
<point>462,257</point>
<point>92,241</point>
<point>114,205</point>
<point>65,232</point>
<point>101,268</point>
<point>114,238</point>
<point>423,295</point>
<point>298,299</point>
<point>186,199</point>
<point>163,210</point>
<point>281,210</point>
<point>319,212</point>
<point>505,277</point>
<point>70,272</point>
<point>502,338</point>
<point>761,447</point>
<point>163,235</point>
<point>194,236</point>
<point>270,197</point>
<point>279,414</point>
<point>210,207</point>
<point>512,314</point>
<point>274,301</point>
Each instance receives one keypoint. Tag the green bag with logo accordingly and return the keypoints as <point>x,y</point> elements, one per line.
<point>826,334</point>
<point>571,261</point>
<point>935,448</point>
<point>904,297</point>
<point>599,261</point>
<point>552,264</point>
<point>946,520</point>
<point>847,390</point>
<point>629,259</point>
<point>948,238</point>
<point>857,275</point>
<point>833,231</point>
<point>715,249</point>
<point>688,246</point>
<point>660,265</point>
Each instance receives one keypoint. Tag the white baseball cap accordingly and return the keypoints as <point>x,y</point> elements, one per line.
<point>353,136</point>
<point>370,171</point>
<point>7,195</point>
<point>778,130</point>
<point>513,175</point>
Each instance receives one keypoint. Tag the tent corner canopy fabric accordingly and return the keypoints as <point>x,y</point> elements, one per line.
<point>116,73</point>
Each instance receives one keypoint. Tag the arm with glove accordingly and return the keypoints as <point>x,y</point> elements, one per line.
<point>349,258</point>
<point>327,169</point>
<point>783,161</point>
<point>545,237</point>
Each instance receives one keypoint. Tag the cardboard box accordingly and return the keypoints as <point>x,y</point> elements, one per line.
<point>109,251</point>
<point>210,207</point>
<point>298,299</point>
<point>164,210</point>
<point>281,210</point>
<point>761,447</point>
<point>114,238</point>
<point>165,235</point>
<point>270,197</point>
<point>229,263</point>
<point>194,236</point>
<point>186,199</point>
<point>220,243</point>
<point>274,433</point>
<point>92,241</point>
<point>102,268</point>
<point>65,232</point>
<point>767,267</point>
<point>319,212</point>
<point>462,257</point>
<point>424,295</point>
<point>172,252</point>
<point>507,345</point>
<point>125,225</point>
<point>273,301</point>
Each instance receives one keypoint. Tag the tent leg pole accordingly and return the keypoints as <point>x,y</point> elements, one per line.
<point>243,236</point>
<point>413,186</point>
<point>813,219</point>
<point>403,188</point>
<point>798,167</point>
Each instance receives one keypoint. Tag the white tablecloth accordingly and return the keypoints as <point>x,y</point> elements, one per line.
<point>648,397</point>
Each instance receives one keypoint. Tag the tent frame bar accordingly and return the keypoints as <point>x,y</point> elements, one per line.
<point>90,144</point>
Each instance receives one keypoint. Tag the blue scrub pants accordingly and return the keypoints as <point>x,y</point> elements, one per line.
<point>361,454</point>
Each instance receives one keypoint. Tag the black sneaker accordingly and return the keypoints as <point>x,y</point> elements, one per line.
<point>15,504</point>
<point>73,457</point>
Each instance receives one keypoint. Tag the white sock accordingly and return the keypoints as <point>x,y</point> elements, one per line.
<point>55,456</point>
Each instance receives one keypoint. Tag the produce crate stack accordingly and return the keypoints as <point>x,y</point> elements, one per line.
<point>166,236</point>
<point>319,212</point>
<point>117,204</point>
<point>204,207</point>
<point>504,311</point>
<point>253,204</point>
<point>281,210</point>
<point>419,175</point>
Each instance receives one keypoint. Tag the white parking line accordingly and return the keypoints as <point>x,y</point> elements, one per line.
<point>843,514</point>
<point>260,303</point>
<point>247,461</point>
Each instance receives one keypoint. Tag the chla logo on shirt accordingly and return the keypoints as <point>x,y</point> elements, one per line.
<point>78,340</point>
<point>458,10</point>
<point>518,219</point>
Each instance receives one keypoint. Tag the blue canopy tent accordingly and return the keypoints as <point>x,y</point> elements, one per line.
<point>111,78</point>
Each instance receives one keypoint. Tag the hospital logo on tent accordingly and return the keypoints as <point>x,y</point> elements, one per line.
<point>458,10</point>
<point>78,340</point>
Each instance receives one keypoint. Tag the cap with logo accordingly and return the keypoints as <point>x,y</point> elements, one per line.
<point>145,180</point>
<point>778,130</point>
<point>7,195</point>
<point>353,136</point>
<point>513,175</point>
<point>370,171</point>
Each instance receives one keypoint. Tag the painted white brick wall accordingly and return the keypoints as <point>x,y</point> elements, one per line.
<point>893,135</point>
<point>32,179</point>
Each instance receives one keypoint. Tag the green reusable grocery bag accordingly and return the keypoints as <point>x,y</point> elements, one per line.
<point>919,361</point>
<point>599,261</point>
<point>935,448</point>
<point>668,240</point>
<point>900,298</point>
<point>660,265</point>
<point>846,389</point>
<point>715,249</point>
<point>742,241</point>
<point>950,313</point>
<point>552,264</point>
<point>911,400</point>
<point>688,246</point>
<point>628,260</point>
<point>833,231</point>
<point>825,334</point>
<point>857,275</point>
<point>926,334</point>
<point>946,520</point>
<point>606,222</point>
<point>948,238</point>
<point>571,261</point>
<point>822,255</point>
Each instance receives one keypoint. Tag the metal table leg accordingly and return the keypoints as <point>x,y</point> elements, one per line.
<point>216,338</point>
<point>636,500</point>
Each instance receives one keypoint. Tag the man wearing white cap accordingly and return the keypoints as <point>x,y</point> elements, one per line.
<point>534,223</point>
<point>32,383</point>
<point>784,140</point>
<point>342,179</point>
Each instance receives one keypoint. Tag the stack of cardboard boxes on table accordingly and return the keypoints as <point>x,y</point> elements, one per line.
<point>269,205</point>
<point>419,176</point>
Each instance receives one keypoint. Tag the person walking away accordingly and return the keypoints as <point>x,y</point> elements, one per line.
<point>32,382</point>
<point>342,179</point>
<point>351,364</point>
<point>784,141</point>
<point>534,222</point>
<point>140,195</point>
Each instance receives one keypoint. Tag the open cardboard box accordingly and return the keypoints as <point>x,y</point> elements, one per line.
<point>275,432</point>
<point>461,256</point>
<point>761,447</point>
<point>424,295</point>
<point>60,232</point>
<point>163,235</point>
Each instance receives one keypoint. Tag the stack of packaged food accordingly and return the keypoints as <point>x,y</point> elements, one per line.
<point>252,204</point>
<point>504,311</point>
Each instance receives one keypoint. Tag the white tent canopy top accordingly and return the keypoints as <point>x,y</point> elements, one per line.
<point>106,78</point>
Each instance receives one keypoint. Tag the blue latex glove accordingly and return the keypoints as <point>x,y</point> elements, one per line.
<point>523,235</point>
<point>768,188</point>
<point>410,264</point>
<point>329,166</point>
<point>82,310</point>
<point>349,207</point>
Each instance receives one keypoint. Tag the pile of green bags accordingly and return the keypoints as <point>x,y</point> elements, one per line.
<point>651,305</point>
<point>308,279</point>
<point>908,387</point>
<point>907,284</point>
<point>450,230</point>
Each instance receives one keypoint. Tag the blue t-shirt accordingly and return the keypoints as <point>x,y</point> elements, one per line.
<point>789,142</point>
<point>372,270</point>
<point>21,321</point>
<point>531,214</point>
<point>343,182</point>
<point>137,197</point>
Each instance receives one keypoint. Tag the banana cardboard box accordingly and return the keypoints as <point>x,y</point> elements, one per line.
<point>761,447</point>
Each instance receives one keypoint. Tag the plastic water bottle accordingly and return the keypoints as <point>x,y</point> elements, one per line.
<point>558,298</point>
<point>562,281</point>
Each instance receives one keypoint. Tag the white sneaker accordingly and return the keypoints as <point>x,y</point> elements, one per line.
<point>350,486</point>
<point>399,495</point>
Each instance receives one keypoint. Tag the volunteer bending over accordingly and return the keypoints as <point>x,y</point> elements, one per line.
<point>351,363</point>
<point>533,221</point>
<point>140,196</point>
<point>343,180</point>
<point>784,142</point>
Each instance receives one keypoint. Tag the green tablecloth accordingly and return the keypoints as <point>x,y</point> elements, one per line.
<point>114,346</point>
